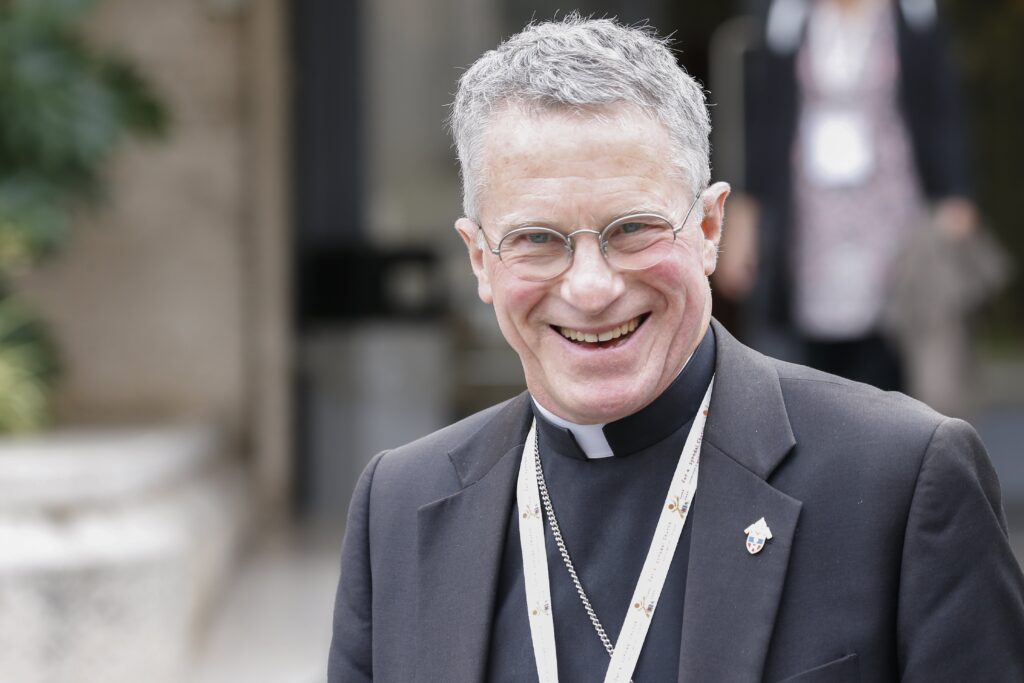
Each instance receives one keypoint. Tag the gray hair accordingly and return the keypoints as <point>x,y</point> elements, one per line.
<point>580,63</point>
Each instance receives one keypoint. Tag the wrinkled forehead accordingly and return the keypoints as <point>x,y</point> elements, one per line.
<point>574,157</point>
<point>511,120</point>
<point>512,129</point>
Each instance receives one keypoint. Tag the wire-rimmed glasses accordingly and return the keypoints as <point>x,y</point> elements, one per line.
<point>633,242</point>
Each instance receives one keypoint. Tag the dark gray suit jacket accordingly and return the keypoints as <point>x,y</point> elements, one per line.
<point>889,558</point>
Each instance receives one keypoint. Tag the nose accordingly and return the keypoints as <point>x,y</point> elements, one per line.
<point>591,284</point>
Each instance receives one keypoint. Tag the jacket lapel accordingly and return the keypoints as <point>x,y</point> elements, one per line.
<point>460,541</point>
<point>732,596</point>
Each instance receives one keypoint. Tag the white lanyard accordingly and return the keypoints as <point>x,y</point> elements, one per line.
<point>652,577</point>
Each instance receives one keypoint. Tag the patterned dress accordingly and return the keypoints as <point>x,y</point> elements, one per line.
<point>856,192</point>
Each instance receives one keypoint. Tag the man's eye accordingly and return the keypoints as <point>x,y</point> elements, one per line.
<point>633,226</point>
<point>532,242</point>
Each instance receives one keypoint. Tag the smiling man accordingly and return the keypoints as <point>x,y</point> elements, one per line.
<point>663,503</point>
<point>599,332</point>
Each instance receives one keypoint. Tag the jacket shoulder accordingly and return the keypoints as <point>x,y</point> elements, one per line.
<point>858,405</point>
<point>450,437</point>
<point>424,466</point>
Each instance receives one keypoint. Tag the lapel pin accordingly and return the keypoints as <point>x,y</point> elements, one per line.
<point>757,533</point>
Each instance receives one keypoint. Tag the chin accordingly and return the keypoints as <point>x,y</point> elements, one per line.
<point>604,406</point>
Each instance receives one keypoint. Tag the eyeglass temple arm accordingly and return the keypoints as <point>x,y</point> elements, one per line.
<point>482,237</point>
<point>682,224</point>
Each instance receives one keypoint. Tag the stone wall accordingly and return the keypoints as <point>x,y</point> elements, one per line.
<point>146,301</point>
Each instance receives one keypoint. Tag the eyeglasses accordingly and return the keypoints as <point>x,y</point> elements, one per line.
<point>634,242</point>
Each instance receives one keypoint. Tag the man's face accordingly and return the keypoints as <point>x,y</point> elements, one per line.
<point>570,171</point>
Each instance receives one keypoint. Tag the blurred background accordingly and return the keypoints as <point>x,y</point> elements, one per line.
<point>228,277</point>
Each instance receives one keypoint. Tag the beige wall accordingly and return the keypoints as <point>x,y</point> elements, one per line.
<point>170,299</point>
<point>146,300</point>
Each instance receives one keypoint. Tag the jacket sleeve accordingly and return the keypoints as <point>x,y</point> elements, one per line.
<point>961,602</point>
<point>935,110</point>
<point>351,655</point>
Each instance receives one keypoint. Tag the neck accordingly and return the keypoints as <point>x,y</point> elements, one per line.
<point>851,6</point>
<point>632,433</point>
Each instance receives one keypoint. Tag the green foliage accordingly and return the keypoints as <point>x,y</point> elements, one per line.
<point>27,370</point>
<point>64,108</point>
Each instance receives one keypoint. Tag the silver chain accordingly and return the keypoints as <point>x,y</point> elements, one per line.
<point>556,532</point>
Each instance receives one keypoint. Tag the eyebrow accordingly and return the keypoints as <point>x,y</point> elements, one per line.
<point>518,222</point>
<point>639,212</point>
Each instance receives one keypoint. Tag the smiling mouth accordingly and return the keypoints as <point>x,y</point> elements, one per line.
<point>606,338</point>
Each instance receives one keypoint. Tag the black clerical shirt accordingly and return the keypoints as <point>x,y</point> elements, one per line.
<point>607,509</point>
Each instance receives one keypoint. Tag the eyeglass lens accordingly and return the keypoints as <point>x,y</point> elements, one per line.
<point>632,243</point>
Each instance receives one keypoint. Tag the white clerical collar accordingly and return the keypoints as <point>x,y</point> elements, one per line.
<point>590,438</point>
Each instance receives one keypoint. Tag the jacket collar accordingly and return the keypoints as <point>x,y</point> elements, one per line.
<point>481,451</point>
<point>748,418</point>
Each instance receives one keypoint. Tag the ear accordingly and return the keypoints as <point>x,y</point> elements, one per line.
<point>473,237</point>
<point>713,200</point>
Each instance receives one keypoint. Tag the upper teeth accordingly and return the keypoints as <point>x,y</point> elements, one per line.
<point>607,335</point>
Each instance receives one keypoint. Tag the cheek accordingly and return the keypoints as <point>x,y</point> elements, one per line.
<point>681,285</point>
<point>671,278</point>
<point>515,299</point>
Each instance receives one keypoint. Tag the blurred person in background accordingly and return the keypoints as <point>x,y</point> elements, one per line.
<point>855,141</point>
<point>591,528</point>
